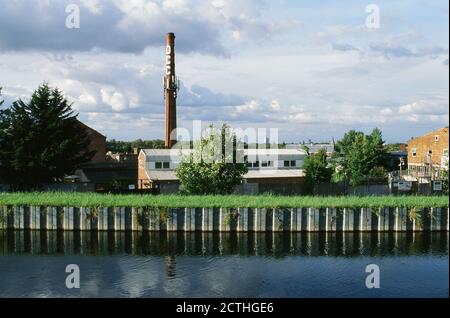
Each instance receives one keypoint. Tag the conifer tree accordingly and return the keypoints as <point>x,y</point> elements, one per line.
<point>41,140</point>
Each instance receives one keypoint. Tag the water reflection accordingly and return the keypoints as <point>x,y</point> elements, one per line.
<point>277,245</point>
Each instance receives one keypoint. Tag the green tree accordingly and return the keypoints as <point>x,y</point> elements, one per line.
<point>41,140</point>
<point>357,154</point>
<point>445,178</point>
<point>317,168</point>
<point>394,147</point>
<point>213,166</point>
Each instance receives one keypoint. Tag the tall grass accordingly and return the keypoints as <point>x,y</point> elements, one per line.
<point>232,201</point>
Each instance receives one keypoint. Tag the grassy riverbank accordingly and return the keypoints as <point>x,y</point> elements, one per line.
<point>176,201</point>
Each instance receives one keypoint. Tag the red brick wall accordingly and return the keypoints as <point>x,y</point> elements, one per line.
<point>422,145</point>
<point>143,181</point>
<point>97,144</point>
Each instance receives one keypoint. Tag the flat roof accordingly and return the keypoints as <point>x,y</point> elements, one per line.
<point>162,175</point>
<point>259,152</point>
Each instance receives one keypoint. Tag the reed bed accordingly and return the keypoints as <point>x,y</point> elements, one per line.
<point>231,201</point>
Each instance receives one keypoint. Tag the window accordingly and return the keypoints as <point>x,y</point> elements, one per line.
<point>430,152</point>
<point>162,165</point>
<point>266,164</point>
<point>253,164</point>
<point>436,138</point>
<point>414,152</point>
<point>290,163</point>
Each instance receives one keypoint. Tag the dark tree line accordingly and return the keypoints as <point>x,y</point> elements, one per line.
<point>41,140</point>
<point>116,146</point>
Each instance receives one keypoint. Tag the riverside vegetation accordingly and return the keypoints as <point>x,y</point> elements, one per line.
<point>218,201</point>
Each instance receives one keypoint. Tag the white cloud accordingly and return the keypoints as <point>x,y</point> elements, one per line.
<point>310,80</point>
<point>86,99</point>
<point>116,100</point>
<point>177,6</point>
<point>438,107</point>
<point>386,111</point>
<point>94,6</point>
<point>275,105</point>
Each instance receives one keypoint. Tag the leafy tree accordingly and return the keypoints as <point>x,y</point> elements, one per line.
<point>317,168</point>
<point>212,167</point>
<point>445,178</point>
<point>394,147</point>
<point>378,175</point>
<point>357,154</point>
<point>41,140</point>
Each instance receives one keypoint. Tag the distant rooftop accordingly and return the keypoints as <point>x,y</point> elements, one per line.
<point>250,152</point>
<point>313,148</point>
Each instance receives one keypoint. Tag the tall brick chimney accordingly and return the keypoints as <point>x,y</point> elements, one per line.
<point>170,90</point>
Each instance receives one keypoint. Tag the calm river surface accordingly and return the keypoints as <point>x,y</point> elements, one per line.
<point>33,264</point>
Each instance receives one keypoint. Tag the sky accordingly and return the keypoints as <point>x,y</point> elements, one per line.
<point>312,69</point>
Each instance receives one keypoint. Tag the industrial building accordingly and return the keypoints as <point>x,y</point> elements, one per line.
<point>269,170</point>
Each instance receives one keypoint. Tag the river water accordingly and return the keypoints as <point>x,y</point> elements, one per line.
<point>33,264</point>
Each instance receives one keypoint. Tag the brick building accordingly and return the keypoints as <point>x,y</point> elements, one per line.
<point>428,154</point>
<point>97,143</point>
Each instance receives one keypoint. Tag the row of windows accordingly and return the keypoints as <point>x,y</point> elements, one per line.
<point>430,152</point>
<point>256,164</point>
<point>250,164</point>
<point>267,164</point>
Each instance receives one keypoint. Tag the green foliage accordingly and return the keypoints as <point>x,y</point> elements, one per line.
<point>41,140</point>
<point>394,147</point>
<point>212,167</point>
<point>445,180</point>
<point>357,155</point>
<point>96,200</point>
<point>378,175</point>
<point>116,146</point>
<point>317,168</point>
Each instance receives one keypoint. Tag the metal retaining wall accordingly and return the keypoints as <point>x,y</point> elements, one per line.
<point>223,220</point>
